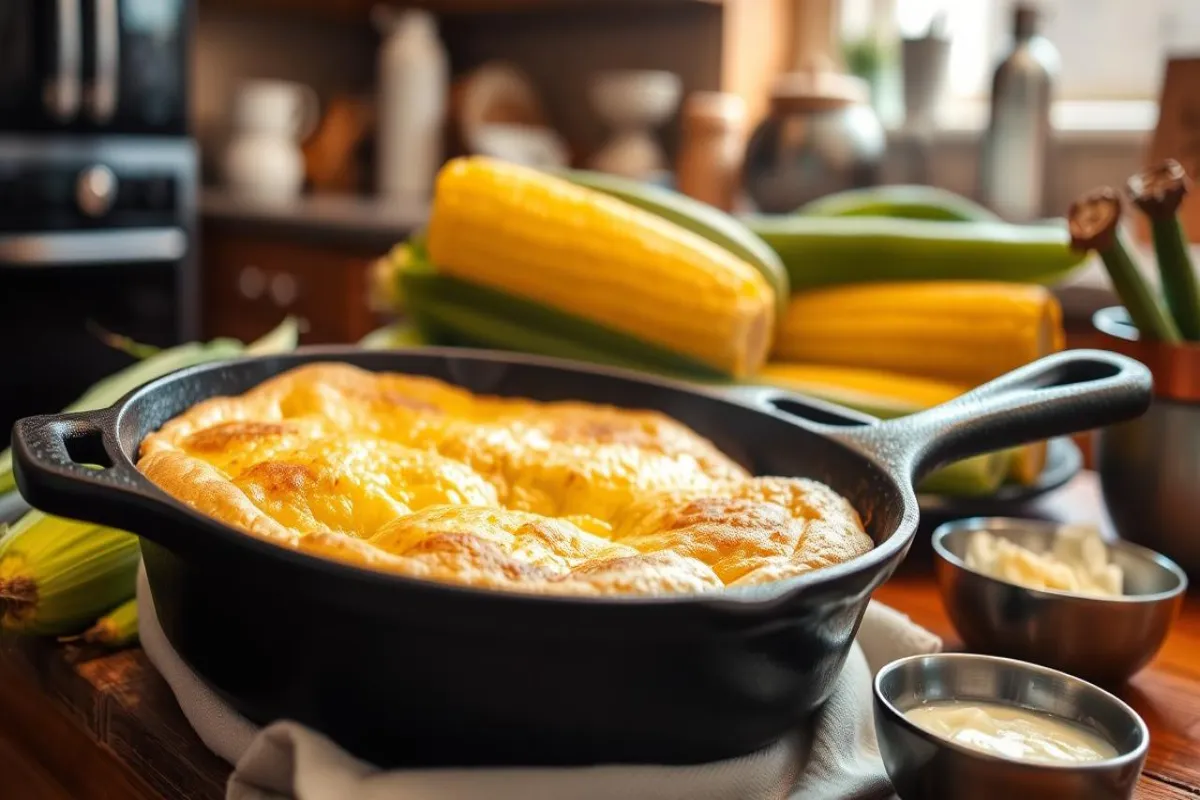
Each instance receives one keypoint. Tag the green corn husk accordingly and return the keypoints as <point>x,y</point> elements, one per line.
<point>282,339</point>
<point>117,628</point>
<point>111,389</point>
<point>978,476</point>
<point>455,312</point>
<point>396,336</point>
<point>57,575</point>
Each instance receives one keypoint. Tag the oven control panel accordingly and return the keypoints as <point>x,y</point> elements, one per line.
<point>84,196</point>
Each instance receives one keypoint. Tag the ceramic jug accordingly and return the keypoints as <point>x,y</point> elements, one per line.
<point>263,161</point>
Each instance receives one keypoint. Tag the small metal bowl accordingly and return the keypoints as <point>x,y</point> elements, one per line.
<point>925,766</point>
<point>1100,639</point>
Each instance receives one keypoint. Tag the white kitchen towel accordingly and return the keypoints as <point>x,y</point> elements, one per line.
<point>834,757</point>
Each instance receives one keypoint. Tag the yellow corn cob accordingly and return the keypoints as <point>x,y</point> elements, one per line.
<point>542,238</point>
<point>58,575</point>
<point>883,394</point>
<point>886,395</point>
<point>958,331</point>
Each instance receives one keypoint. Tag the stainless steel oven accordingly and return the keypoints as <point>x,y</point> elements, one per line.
<point>96,234</point>
<point>112,66</point>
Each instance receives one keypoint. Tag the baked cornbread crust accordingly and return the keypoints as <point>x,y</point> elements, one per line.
<point>411,475</point>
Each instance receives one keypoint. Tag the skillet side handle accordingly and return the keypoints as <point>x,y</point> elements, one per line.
<point>71,465</point>
<point>1068,392</point>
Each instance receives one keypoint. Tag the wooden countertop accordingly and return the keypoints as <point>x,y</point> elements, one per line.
<point>79,723</point>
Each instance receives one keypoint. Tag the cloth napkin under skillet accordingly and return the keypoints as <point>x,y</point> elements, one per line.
<point>833,758</point>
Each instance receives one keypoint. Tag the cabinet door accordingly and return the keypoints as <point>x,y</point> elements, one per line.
<point>252,282</point>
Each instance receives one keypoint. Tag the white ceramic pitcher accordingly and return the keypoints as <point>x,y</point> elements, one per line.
<point>263,161</point>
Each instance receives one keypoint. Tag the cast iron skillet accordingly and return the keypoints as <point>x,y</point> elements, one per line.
<point>405,671</point>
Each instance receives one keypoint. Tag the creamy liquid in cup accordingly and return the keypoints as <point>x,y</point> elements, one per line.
<point>1011,732</point>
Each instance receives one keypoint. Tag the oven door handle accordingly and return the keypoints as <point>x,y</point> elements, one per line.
<point>103,93</point>
<point>64,87</point>
<point>77,248</point>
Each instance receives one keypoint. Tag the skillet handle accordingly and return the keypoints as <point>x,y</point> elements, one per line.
<point>71,465</point>
<point>1072,391</point>
<point>1068,392</point>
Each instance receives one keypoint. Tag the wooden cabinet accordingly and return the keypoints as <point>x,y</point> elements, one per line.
<point>253,280</point>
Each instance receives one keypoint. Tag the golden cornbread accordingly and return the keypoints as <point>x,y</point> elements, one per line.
<point>411,475</point>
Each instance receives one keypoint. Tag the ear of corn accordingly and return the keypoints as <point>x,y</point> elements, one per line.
<point>117,628</point>
<point>57,575</point>
<point>957,331</point>
<point>711,223</point>
<point>576,250</point>
<point>876,392</point>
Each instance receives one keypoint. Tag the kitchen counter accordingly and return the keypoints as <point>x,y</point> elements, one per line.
<point>79,723</point>
<point>351,220</point>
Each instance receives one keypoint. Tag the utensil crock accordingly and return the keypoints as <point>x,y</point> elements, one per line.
<point>1150,467</point>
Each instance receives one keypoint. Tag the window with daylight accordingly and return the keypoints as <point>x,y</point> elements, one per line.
<point>1111,49</point>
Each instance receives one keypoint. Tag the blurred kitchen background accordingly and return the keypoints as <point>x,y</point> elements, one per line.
<point>225,163</point>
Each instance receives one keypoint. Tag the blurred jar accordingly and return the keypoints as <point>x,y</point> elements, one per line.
<point>710,153</point>
<point>820,137</point>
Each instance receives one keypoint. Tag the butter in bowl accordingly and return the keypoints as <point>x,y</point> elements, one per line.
<point>957,725</point>
<point>1057,595</point>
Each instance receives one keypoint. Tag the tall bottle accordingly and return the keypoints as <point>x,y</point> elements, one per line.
<point>411,104</point>
<point>1014,158</point>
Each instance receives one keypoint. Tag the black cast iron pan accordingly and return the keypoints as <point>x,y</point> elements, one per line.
<point>404,671</point>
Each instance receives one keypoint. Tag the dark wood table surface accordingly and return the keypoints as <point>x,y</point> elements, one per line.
<point>79,723</point>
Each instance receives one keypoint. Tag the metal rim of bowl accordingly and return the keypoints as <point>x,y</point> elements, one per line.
<point>993,523</point>
<point>1119,760</point>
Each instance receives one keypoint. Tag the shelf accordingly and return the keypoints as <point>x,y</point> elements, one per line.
<point>358,9</point>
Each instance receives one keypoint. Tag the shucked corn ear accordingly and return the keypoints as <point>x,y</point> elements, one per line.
<point>889,394</point>
<point>965,332</point>
<point>543,238</point>
<point>879,393</point>
<point>57,575</point>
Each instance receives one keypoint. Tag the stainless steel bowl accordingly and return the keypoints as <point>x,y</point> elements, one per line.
<point>1100,639</point>
<point>924,766</point>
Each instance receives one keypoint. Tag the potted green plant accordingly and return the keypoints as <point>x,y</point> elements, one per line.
<point>1150,467</point>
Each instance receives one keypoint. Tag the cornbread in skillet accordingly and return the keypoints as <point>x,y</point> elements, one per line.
<point>411,475</point>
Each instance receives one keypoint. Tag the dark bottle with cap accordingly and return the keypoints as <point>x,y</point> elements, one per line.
<point>1016,146</point>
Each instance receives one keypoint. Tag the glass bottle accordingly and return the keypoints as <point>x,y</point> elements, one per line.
<point>1016,146</point>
